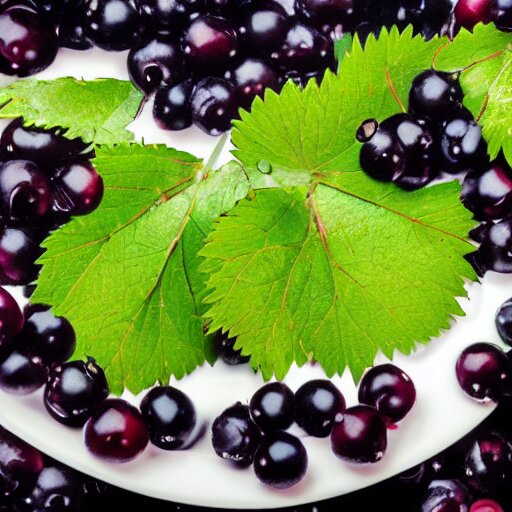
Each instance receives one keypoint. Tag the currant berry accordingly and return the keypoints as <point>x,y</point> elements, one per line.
<point>501,14</point>
<point>58,489</point>
<point>445,496</point>
<point>470,12</point>
<point>116,432</point>
<point>170,416</point>
<point>327,14</point>
<point>280,461</point>
<point>172,109</point>
<point>20,465</point>
<point>19,249</point>
<point>488,463</point>
<point>210,42</point>
<point>263,27</point>
<point>214,105</point>
<point>483,371</point>
<point>304,50</point>
<point>51,337</point>
<point>113,25</point>
<point>155,63</point>
<point>22,372</point>
<point>272,407</point>
<point>11,319</point>
<point>251,78</point>
<point>235,436</point>
<point>433,94</point>
<point>225,349</point>
<point>170,14</point>
<point>319,404</point>
<point>72,33</point>
<point>25,191</point>
<point>488,192</point>
<point>28,42</point>
<point>503,321</point>
<point>461,143</point>
<point>389,389</point>
<point>78,188</point>
<point>360,438</point>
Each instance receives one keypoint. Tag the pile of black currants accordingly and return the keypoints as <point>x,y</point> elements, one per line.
<point>440,136</point>
<point>44,179</point>
<point>257,433</point>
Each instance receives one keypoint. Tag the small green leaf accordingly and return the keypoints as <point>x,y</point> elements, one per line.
<point>342,47</point>
<point>127,275</point>
<point>98,110</point>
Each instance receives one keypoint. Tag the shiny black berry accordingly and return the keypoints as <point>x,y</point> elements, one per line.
<point>225,349</point>
<point>272,407</point>
<point>504,321</point>
<point>22,372</point>
<point>445,496</point>
<point>172,109</point>
<point>11,319</point>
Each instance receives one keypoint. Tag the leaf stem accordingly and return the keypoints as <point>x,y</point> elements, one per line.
<point>217,150</point>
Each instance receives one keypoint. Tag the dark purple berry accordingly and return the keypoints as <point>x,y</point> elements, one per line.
<point>74,391</point>
<point>28,41</point>
<point>25,192</point>
<point>169,14</point>
<point>272,407</point>
<point>210,42</point>
<point>470,12</point>
<point>319,405</point>
<point>389,389</point>
<point>20,465</point>
<point>11,319</point>
<point>51,337</point>
<point>22,372</point>
<point>483,371</point>
<point>327,14</point>
<point>445,496</point>
<point>433,94</point>
<point>280,461</point>
<point>488,463</point>
<point>488,193</point>
<point>172,109</point>
<point>170,417</point>
<point>504,321</point>
<point>225,349</point>
<point>113,25</point>
<point>235,437</point>
<point>360,438</point>
<point>156,63</point>
<point>214,105</point>
<point>78,188</point>
<point>116,432</point>
<point>501,14</point>
<point>72,32</point>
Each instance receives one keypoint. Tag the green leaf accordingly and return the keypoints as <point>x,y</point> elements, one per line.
<point>303,132</point>
<point>342,47</point>
<point>484,58</point>
<point>326,263</point>
<point>98,110</point>
<point>127,275</point>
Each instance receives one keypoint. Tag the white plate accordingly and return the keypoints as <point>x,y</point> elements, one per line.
<point>441,416</point>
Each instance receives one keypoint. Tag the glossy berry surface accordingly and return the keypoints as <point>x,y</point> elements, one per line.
<point>235,437</point>
<point>169,14</point>
<point>214,105</point>
<point>280,461</point>
<point>116,432</point>
<point>389,389</point>
<point>51,337</point>
<point>78,188</point>
<point>113,25</point>
<point>503,321</point>
<point>46,148</point>
<point>486,506</point>
<point>326,14</point>
<point>172,109</point>
<point>58,489</point>
<point>170,417</point>
<point>11,319</point>
<point>461,143</point>
<point>20,465</point>
<point>224,347</point>
<point>445,496</point>
<point>361,437</point>
<point>433,94</point>
<point>501,14</point>
<point>72,33</point>
<point>488,192</point>
<point>22,372</point>
<point>25,191</point>
<point>74,390</point>
<point>483,370</point>
<point>28,42</point>
<point>319,404</point>
<point>19,249</point>
<point>156,63</point>
<point>210,41</point>
<point>272,407</point>
<point>488,463</point>
<point>470,12</point>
